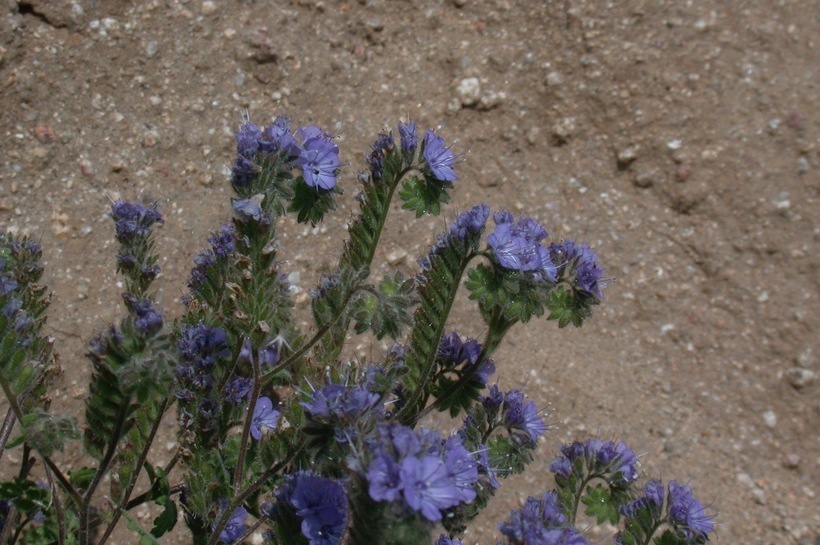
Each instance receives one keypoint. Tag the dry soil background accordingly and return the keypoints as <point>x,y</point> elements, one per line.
<point>678,138</point>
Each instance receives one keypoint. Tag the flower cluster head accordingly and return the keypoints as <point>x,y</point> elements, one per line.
<point>687,514</point>
<point>439,159</point>
<point>134,220</point>
<point>517,246</point>
<point>147,321</point>
<point>236,527</point>
<point>409,139</point>
<point>318,155</point>
<point>223,244</point>
<point>339,407</point>
<point>470,223</point>
<point>540,521</point>
<point>457,351</point>
<point>421,471</point>
<point>614,461</point>
<point>383,145</point>
<point>522,417</point>
<point>445,540</point>
<point>578,265</point>
<point>201,347</point>
<point>320,503</point>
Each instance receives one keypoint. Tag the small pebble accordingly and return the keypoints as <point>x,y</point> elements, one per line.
<point>791,461</point>
<point>208,7</point>
<point>469,92</point>
<point>645,179</point>
<point>626,156</point>
<point>554,79</point>
<point>44,134</point>
<point>800,378</point>
<point>770,418</point>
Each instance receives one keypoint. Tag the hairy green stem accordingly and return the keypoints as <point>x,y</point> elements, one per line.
<point>140,462</point>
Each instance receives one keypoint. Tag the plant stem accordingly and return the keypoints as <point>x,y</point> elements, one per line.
<point>140,462</point>
<point>246,428</point>
<point>5,431</point>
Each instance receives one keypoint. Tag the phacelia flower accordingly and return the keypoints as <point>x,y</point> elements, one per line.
<point>522,416</point>
<point>319,159</point>
<point>427,487</point>
<point>147,320</point>
<point>249,210</point>
<point>200,348</point>
<point>444,540</point>
<point>236,527</point>
<point>265,418</point>
<point>238,389</point>
<point>613,459</point>
<point>247,139</point>
<point>134,220</point>
<point>578,265</point>
<point>470,223</point>
<point>439,158</point>
<point>517,246</point>
<point>278,139</point>
<point>320,503</point>
<point>381,147</point>
<point>458,351</point>
<point>687,514</point>
<point>409,139</point>
<point>540,521</point>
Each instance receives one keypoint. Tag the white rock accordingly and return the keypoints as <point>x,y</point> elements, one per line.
<point>469,91</point>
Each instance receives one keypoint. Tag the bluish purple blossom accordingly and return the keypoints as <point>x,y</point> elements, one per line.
<point>319,158</point>
<point>278,139</point>
<point>561,466</point>
<point>384,479</point>
<point>523,416</point>
<point>7,285</point>
<point>609,458</point>
<point>470,223</point>
<point>147,321</point>
<point>439,158</point>
<point>200,348</point>
<point>247,139</point>
<point>320,503</point>
<point>249,210</point>
<point>578,264</point>
<point>444,540</point>
<point>517,246</point>
<point>134,220</point>
<point>236,527</point>
<point>265,418</point>
<point>222,241</point>
<point>222,245</point>
<point>238,389</point>
<point>243,171</point>
<point>409,139</point>
<point>653,490</point>
<point>687,514</point>
<point>342,406</point>
<point>381,148</point>
<point>427,487</point>
<point>457,351</point>
<point>540,521</point>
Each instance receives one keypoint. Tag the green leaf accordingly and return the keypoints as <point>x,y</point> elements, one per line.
<point>166,520</point>
<point>386,312</point>
<point>46,433</point>
<point>81,478</point>
<point>569,306</point>
<point>424,195</point>
<point>145,537</point>
<point>311,203</point>
<point>601,505</point>
<point>26,495</point>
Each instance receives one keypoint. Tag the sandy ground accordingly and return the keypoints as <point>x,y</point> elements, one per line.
<point>679,139</point>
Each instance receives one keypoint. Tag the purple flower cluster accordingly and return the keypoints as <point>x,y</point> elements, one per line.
<point>540,521</point>
<point>265,418</point>
<point>603,458</point>
<point>339,407</point>
<point>444,540</point>
<point>520,417</point>
<point>318,155</point>
<point>578,265</point>
<point>684,512</point>
<point>687,514</point>
<point>223,245</point>
<point>383,145</point>
<point>517,246</point>
<point>200,349</point>
<point>134,220</point>
<point>320,503</point>
<point>147,321</point>
<point>236,527</point>
<point>439,158</point>
<point>424,472</point>
<point>470,223</point>
<point>457,351</point>
<point>409,139</point>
